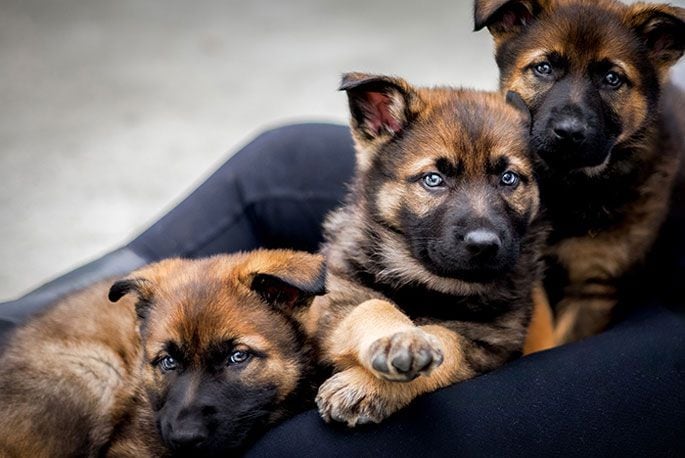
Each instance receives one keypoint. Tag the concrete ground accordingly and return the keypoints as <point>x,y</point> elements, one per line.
<point>110,112</point>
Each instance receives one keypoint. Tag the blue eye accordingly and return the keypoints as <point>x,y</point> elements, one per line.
<point>238,357</point>
<point>613,80</point>
<point>168,364</point>
<point>543,68</point>
<point>509,178</point>
<point>433,180</point>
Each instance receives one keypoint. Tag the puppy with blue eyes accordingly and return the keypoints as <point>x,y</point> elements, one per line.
<point>433,260</point>
<point>608,127</point>
<point>194,357</point>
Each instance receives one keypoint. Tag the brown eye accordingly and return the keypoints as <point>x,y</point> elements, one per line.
<point>613,80</point>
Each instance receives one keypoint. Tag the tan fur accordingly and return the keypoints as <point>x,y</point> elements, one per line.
<point>75,358</point>
<point>356,395</point>
<point>540,334</point>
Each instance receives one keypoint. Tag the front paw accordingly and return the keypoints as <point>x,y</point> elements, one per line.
<point>352,397</point>
<point>404,356</point>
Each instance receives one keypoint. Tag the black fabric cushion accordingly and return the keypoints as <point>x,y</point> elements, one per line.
<point>114,264</point>
<point>619,393</point>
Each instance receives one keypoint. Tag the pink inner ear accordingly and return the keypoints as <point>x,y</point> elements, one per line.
<point>281,294</point>
<point>517,15</point>
<point>661,43</point>
<point>510,19</point>
<point>380,117</point>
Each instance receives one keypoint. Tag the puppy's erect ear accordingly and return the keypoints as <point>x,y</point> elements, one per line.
<point>381,106</point>
<point>505,17</point>
<point>140,286</point>
<point>662,27</point>
<point>287,279</point>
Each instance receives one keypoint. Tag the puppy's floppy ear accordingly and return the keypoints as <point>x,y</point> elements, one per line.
<point>381,106</point>
<point>283,292</point>
<point>145,282</point>
<point>515,100</point>
<point>140,286</point>
<point>287,279</point>
<point>662,28</point>
<point>505,17</point>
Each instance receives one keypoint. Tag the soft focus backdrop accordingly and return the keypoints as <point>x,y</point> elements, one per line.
<point>112,111</point>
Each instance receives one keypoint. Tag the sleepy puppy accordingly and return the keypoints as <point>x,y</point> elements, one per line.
<point>433,258</point>
<point>195,357</point>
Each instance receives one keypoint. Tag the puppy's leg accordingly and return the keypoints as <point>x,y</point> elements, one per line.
<point>582,317</point>
<point>380,338</point>
<point>541,328</point>
<point>376,346</point>
<point>357,395</point>
<point>593,267</point>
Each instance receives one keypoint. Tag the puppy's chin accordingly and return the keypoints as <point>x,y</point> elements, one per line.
<point>568,163</point>
<point>563,159</point>
<point>216,446</point>
<point>227,439</point>
<point>474,274</point>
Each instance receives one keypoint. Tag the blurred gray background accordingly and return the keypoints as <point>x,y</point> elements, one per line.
<point>112,111</point>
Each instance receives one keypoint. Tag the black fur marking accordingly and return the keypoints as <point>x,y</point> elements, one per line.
<point>418,302</point>
<point>437,238</point>
<point>447,168</point>
<point>498,166</point>
<point>181,354</point>
<point>226,412</point>
<point>217,354</point>
<point>123,287</point>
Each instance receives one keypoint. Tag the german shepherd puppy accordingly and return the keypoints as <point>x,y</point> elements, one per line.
<point>434,255</point>
<point>609,128</point>
<point>196,357</point>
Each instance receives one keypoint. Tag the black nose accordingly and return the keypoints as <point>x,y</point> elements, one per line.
<point>569,128</point>
<point>482,243</point>
<point>187,435</point>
